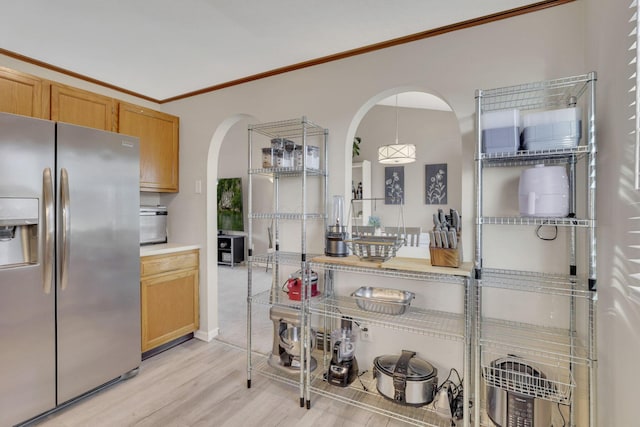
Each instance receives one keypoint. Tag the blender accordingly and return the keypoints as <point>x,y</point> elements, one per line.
<point>337,231</point>
<point>343,368</point>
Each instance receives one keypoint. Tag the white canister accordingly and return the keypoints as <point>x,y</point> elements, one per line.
<point>544,191</point>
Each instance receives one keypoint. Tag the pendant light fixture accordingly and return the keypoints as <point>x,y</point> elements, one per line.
<point>397,154</point>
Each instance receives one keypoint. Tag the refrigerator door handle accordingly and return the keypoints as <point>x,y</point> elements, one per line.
<point>47,194</point>
<point>64,205</point>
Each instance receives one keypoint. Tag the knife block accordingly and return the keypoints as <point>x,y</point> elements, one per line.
<point>446,257</point>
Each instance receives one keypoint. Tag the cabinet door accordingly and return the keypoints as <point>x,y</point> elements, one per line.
<point>169,305</point>
<point>158,133</point>
<point>23,94</point>
<point>82,108</point>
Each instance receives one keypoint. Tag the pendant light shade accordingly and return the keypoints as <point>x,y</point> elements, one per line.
<point>397,154</point>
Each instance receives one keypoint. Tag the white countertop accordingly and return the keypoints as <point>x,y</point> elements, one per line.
<point>166,248</point>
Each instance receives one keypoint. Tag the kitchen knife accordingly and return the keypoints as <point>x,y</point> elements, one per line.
<point>445,239</point>
<point>442,218</point>
<point>455,219</point>
<point>432,239</point>
<point>436,222</point>
<point>438,238</point>
<point>453,239</point>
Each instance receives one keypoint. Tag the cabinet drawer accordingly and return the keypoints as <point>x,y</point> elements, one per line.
<point>162,263</point>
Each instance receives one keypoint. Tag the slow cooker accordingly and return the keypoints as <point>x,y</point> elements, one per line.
<point>405,379</point>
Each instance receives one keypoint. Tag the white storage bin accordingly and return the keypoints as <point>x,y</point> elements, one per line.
<point>553,129</point>
<point>501,131</point>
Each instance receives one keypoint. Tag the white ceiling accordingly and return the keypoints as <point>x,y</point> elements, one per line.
<point>165,48</point>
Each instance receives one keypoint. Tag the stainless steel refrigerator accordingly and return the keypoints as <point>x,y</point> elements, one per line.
<point>69,263</point>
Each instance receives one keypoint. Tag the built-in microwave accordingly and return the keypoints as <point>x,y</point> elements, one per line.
<point>153,224</point>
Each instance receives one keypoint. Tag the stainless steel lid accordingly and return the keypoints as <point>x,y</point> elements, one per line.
<point>417,369</point>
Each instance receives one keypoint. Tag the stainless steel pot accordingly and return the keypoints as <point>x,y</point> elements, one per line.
<point>517,394</point>
<point>291,340</point>
<point>405,379</point>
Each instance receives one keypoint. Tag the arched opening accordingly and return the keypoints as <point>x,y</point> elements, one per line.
<point>418,117</point>
<point>223,302</point>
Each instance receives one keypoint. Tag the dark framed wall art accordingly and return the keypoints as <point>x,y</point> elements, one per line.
<point>436,184</point>
<point>394,185</point>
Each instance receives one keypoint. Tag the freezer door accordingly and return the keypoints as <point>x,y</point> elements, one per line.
<point>27,320</point>
<point>98,258</point>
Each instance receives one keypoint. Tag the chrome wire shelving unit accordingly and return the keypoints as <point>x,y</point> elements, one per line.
<point>308,140</point>
<point>441,325</point>
<point>565,349</point>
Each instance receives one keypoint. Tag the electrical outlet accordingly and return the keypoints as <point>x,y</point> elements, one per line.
<point>365,333</point>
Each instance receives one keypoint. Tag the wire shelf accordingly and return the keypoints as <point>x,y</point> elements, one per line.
<point>398,274</point>
<point>365,396</point>
<point>516,374</point>
<point>553,284</point>
<point>524,157</point>
<point>287,216</point>
<point>287,172</point>
<point>522,220</point>
<point>289,128</point>
<point>545,94</point>
<point>263,368</point>
<point>283,258</point>
<point>281,299</point>
<point>416,320</point>
<point>552,345</point>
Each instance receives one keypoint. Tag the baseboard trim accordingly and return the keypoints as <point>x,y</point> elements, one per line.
<point>166,346</point>
<point>206,336</point>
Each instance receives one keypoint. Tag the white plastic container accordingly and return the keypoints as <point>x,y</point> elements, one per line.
<point>268,158</point>
<point>312,157</point>
<point>543,191</point>
<point>553,129</point>
<point>501,131</point>
<point>284,158</point>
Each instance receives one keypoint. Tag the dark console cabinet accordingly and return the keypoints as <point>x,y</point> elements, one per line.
<point>230,249</point>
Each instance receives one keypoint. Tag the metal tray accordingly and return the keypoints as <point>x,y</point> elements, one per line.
<point>383,300</point>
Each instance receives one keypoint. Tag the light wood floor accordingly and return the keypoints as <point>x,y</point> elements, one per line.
<point>204,384</point>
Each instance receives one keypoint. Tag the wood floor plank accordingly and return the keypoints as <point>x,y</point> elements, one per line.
<point>204,384</point>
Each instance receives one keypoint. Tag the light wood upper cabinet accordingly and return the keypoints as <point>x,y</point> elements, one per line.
<point>158,133</point>
<point>80,107</point>
<point>23,94</point>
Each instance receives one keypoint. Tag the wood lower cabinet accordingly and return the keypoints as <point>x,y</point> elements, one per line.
<point>80,107</point>
<point>23,94</point>
<point>169,297</point>
<point>158,133</point>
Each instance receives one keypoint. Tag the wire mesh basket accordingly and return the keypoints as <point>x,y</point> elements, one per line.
<point>375,248</point>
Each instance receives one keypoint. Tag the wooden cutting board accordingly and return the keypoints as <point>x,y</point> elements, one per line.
<point>420,265</point>
<point>424,266</point>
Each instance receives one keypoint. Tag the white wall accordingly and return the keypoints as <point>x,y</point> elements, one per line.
<point>607,52</point>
